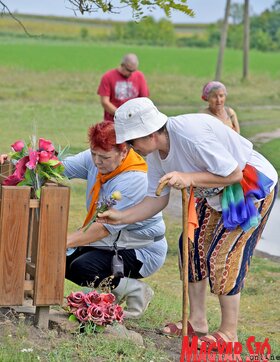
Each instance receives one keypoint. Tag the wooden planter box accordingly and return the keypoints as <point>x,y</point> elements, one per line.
<point>32,245</point>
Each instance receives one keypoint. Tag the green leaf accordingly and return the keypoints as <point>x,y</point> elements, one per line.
<point>51,162</point>
<point>28,176</point>
<point>99,329</point>
<point>72,318</point>
<point>24,183</point>
<point>44,174</point>
<point>56,175</point>
<point>60,169</point>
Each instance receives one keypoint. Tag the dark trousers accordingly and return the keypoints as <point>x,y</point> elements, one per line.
<point>89,266</point>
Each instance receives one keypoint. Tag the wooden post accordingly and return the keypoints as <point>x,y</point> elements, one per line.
<point>13,243</point>
<point>32,245</point>
<point>42,317</point>
<point>50,263</point>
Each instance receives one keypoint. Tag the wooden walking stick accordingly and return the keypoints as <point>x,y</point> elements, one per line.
<point>185,256</point>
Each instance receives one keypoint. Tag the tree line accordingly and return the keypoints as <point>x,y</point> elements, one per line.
<point>264,31</point>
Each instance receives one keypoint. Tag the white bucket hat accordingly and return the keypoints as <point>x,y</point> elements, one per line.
<point>137,118</point>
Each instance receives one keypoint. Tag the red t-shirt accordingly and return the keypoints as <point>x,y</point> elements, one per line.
<point>120,89</point>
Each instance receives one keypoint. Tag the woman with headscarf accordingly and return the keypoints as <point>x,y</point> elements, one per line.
<point>215,94</point>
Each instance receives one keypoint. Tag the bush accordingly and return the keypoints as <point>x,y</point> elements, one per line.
<point>84,33</point>
<point>147,31</point>
<point>193,41</point>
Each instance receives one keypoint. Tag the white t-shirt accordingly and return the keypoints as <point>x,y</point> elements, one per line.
<point>199,143</point>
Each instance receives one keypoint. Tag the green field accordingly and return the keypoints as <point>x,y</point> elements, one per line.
<point>44,55</point>
<point>53,83</point>
<point>49,87</point>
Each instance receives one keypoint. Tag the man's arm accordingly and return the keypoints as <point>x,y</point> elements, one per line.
<point>107,105</point>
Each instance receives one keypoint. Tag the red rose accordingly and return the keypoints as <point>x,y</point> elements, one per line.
<point>33,159</point>
<point>108,298</point>
<point>18,146</point>
<point>118,313</point>
<point>46,145</point>
<point>96,314</point>
<point>44,156</point>
<point>76,300</point>
<point>92,298</point>
<point>82,314</point>
<point>18,175</point>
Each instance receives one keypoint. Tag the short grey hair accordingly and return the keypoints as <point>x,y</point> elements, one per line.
<point>130,59</point>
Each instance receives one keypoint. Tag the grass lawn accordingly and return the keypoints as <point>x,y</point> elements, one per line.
<point>49,88</point>
<point>259,317</point>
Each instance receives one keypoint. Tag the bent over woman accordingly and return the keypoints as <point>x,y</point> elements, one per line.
<point>236,187</point>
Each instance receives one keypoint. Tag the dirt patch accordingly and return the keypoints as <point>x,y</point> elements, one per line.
<point>265,136</point>
<point>14,325</point>
<point>170,345</point>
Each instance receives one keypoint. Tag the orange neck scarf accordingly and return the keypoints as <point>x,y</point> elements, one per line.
<point>132,162</point>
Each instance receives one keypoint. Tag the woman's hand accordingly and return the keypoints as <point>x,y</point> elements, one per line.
<point>178,180</point>
<point>111,216</point>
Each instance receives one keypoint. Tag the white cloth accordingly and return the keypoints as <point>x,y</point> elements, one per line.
<point>133,186</point>
<point>199,143</point>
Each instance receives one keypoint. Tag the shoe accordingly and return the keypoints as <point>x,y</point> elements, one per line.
<point>216,340</point>
<point>175,331</point>
<point>137,295</point>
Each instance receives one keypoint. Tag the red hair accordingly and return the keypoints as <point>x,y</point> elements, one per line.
<point>102,135</point>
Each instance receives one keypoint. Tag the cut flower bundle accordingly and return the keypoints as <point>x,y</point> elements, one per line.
<point>35,165</point>
<point>94,308</point>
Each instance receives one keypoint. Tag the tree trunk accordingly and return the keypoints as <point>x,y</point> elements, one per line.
<point>222,43</point>
<point>246,40</point>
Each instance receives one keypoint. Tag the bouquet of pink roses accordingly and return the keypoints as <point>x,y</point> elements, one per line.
<point>34,165</point>
<point>96,309</point>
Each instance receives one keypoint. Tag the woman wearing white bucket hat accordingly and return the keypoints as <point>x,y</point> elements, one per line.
<point>236,187</point>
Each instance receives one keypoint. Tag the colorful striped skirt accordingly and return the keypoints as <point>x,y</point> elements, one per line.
<point>221,254</point>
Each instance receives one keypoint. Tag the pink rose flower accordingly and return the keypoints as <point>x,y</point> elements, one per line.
<point>109,313</point>
<point>11,180</point>
<point>92,298</point>
<point>108,298</point>
<point>94,307</point>
<point>33,159</point>
<point>18,175</point>
<point>118,313</point>
<point>44,156</point>
<point>76,300</point>
<point>96,314</point>
<point>46,145</point>
<point>18,146</point>
<point>82,314</point>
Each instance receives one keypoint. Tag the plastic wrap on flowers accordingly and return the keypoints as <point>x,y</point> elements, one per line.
<point>93,309</point>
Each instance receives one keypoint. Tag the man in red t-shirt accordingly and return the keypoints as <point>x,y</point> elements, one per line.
<point>119,85</point>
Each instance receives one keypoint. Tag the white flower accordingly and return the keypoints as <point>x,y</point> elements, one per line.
<point>27,350</point>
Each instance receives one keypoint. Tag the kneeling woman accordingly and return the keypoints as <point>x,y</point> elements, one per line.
<point>109,167</point>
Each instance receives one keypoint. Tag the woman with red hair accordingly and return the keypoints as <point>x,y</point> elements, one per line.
<point>109,167</point>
